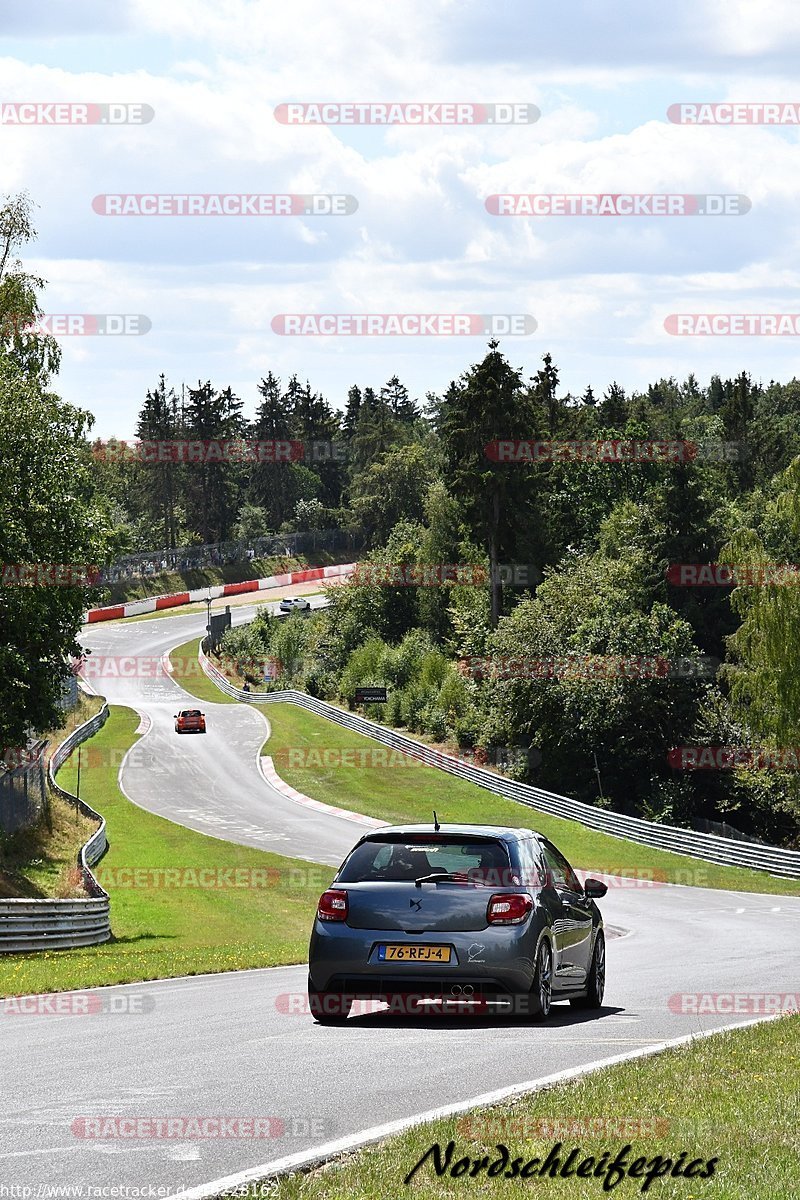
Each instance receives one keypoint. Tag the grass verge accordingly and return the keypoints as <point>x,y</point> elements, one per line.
<point>40,861</point>
<point>410,792</point>
<point>189,674</point>
<point>732,1097</point>
<point>88,706</point>
<point>255,912</point>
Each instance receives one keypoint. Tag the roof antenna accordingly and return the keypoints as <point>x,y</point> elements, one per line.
<point>436,824</point>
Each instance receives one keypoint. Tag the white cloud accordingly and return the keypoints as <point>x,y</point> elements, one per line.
<point>48,18</point>
<point>421,239</point>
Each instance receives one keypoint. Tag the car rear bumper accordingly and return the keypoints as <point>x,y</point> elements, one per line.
<point>496,961</point>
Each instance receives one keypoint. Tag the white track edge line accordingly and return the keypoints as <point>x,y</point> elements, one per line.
<point>355,1141</point>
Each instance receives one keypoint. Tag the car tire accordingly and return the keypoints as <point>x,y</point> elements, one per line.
<point>597,977</point>
<point>540,997</point>
<point>328,1008</point>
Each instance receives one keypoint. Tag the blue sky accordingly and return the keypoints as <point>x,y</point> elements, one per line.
<point>602,75</point>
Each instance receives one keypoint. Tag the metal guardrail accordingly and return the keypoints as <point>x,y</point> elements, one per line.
<point>708,846</point>
<point>29,925</point>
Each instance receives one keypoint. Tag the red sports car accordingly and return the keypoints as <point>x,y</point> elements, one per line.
<point>190,720</point>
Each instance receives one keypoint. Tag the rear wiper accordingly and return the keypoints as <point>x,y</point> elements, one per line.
<point>444,876</point>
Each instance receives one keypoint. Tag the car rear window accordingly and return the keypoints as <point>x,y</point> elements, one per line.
<point>192,712</point>
<point>478,862</point>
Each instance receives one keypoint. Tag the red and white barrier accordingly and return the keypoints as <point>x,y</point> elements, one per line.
<point>153,603</point>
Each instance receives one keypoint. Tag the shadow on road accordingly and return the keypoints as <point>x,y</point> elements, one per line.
<point>562,1016</point>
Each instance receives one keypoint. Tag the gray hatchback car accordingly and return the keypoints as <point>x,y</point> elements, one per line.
<point>456,917</point>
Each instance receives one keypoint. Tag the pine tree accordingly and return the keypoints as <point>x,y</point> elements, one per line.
<point>213,486</point>
<point>487,404</point>
<point>614,407</point>
<point>395,395</point>
<point>737,414</point>
<point>159,421</point>
<point>716,394</point>
<point>352,412</point>
<point>376,433</point>
<point>370,401</point>
<point>268,480</point>
<point>545,387</point>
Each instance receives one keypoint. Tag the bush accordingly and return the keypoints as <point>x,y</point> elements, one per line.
<point>289,645</point>
<point>465,729</point>
<point>243,653</point>
<point>410,656</point>
<point>434,722</point>
<point>362,669</point>
<point>319,681</point>
<point>413,701</point>
<point>392,713</point>
<point>432,669</point>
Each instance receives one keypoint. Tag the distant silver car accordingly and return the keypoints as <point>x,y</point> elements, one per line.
<point>294,604</point>
<point>467,917</point>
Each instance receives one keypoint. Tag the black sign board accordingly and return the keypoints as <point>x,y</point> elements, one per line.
<point>371,695</point>
<point>218,623</point>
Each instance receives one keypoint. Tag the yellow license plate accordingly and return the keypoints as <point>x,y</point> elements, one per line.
<point>414,954</point>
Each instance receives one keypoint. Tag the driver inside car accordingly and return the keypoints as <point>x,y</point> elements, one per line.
<point>491,869</point>
<point>407,864</point>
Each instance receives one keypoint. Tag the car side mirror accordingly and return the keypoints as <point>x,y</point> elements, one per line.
<point>594,888</point>
<point>175,716</point>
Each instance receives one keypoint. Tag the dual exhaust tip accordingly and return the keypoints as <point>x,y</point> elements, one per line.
<point>458,990</point>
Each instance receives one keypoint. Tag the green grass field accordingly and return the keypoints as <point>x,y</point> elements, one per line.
<point>165,930</point>
<point>183,610</point>
<point>189,675</point>
<point>732,1097</point>
<point>40,861</point>
<point>162,931</point>
<point>410,792</point>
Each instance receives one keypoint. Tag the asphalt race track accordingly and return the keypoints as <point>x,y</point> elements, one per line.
<point>242,1046</point>
<point>209,782</point>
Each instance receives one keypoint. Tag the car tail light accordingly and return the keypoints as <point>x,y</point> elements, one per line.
<point>332,906</point>
<point>508,909</point>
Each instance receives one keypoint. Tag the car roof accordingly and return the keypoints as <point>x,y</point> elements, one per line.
<point>506,833</point>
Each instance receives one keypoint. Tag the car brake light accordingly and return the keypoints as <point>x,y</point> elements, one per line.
<point>508,909</point>
<point>332,906</point>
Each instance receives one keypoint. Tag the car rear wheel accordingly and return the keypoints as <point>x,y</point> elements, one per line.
<point>541,993</point>
<point>597,977</point>
<point>328,1008</point>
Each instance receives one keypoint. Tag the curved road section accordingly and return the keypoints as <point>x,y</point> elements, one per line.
<point>209,782</point>
<point>177,1083</point>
